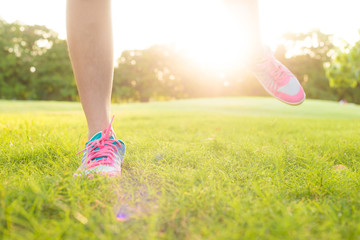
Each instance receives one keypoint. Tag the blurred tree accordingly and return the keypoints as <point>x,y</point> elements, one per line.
<point>20,45</point>
<point>34,64</point>
<point>344,72</point>
<point>145,74</point>
<point>52,75</point>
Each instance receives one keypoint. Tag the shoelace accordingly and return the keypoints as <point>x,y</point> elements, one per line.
<point>275,71</point>
<point>104,147</point>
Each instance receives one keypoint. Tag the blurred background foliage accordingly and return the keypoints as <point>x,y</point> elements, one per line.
<point>34,65</point>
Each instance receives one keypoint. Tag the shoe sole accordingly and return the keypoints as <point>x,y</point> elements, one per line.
<point>103,174</point>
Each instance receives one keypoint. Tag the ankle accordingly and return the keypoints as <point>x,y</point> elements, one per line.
<point>92,133</point>
<point>97,124</point>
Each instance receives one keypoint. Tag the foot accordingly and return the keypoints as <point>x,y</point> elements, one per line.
<point>277,80</point>
<point>103,155</point>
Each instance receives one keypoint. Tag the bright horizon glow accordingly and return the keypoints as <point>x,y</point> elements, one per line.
<point>197,26</point>
<point>212,40</point>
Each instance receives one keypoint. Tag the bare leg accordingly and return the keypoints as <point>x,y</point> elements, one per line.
<point>246,15</point>
<point>277,80</point>
<point>89,35</point>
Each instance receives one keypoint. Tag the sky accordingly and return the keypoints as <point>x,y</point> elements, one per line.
<point>139,24</point>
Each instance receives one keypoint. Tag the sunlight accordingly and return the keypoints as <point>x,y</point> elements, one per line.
<point>219,45</point>
<point>210,37</point>
<point>204,30</point>
<point>202,27</point>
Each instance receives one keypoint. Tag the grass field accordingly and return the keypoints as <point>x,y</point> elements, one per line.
<point>231,168</point>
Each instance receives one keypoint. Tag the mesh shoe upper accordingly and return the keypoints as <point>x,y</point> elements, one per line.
<point>277,80</point>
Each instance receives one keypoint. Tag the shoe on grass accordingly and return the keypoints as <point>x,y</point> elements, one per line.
<point>277,80</point>
<point>103,155</point>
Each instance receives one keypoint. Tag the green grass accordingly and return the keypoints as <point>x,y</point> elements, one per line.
<point>232,168</point>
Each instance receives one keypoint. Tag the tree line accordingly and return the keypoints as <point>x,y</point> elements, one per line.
<point>34,65</point>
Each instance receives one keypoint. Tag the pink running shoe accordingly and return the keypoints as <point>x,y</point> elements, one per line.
<point>103,155</point>
<point>277,80</point>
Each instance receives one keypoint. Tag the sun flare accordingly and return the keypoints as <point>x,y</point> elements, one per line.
<point>203,28</point>
<point>211,37</point>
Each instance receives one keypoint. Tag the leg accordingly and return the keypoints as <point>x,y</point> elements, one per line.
<point>276,79</point>
<point>89,35</point>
